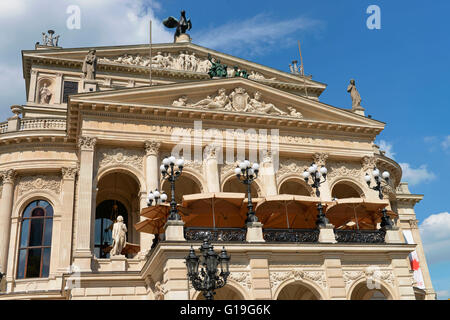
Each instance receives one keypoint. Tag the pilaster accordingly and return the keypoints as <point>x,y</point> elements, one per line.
<point>267,174</point>
<point>83,252</point>
<point>335,279</point>
<point>6,203</point>
<point>259,271</point>
<point>211,168</point>
<point>175,280</point>
<point>320,159</point>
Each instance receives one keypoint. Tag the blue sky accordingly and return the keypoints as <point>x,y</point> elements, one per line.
<point>401,71</point>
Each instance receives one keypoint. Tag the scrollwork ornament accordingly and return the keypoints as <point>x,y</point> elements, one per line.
<point>69,173</point>
<point>320,159</point>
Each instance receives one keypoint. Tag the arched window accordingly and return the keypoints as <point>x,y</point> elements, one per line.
<point>35,240</point>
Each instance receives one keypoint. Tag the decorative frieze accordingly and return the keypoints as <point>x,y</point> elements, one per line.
<point>120,156</point>
<point>226,170</point>
<point>195,165</point>
<point>371,274</point>
<point>291,166</point>
<point>87,143</point>
<point>152,148</point>
<point>344,169</point>
<point>243,278</point>
<point>38,182</point>
<point>368,163</point>
<point>317,276</point>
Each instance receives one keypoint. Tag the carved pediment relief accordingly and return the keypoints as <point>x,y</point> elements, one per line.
<point>238,100</point>
<point>183,61</point>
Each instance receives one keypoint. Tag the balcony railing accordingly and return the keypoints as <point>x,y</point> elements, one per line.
<point>360,236</point>
<point>39,124</point>
<point>222,234</point>
<point>3,127</point>
<point>291,235</point>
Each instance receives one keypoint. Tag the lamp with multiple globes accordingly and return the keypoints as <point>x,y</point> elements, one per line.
<point>171,169</point>
<point>246,174</point>
<point>316,175</point>
<point>157,197</point>
<point>208,279</point>
<point>376,175</point>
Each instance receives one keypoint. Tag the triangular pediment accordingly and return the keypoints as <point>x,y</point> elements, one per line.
<point>234,97</point>
<point>167,64</point>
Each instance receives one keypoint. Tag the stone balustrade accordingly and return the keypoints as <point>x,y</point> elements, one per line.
<point>18,124</point>
<point>3,127</point>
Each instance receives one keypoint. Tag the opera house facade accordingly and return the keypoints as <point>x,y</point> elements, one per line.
<point>87,147</point>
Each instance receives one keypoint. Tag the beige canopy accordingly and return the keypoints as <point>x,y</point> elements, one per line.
<point>217,209</point>
<point>356,213</point>
<point>288,211</point>
<point>130,248</point>
<point>156,218</point>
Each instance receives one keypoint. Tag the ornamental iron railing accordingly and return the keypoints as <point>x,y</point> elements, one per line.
<point>360,236</point>
<point>291,235</point>
<point>218,234</point>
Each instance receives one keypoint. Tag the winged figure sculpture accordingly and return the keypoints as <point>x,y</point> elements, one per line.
<point>182,25</point>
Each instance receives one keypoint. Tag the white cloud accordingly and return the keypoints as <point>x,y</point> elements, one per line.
<point>416,176</point>
<point>103,22</point>
<point>435,234</point>
<point>255,35</point>
<point>388,148</point>
<point>443,294</point>
<point>446,143</point>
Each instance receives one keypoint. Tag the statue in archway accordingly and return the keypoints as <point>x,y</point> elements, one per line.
<point>119,236</point>
<point>45,94</point>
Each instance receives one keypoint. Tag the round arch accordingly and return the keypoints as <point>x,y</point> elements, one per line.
<point>293,183</point>
<point>359,291</point>
<point>346,188</point>
<point>128,170</point>
<point>231,291</point>
<point>293,289</point>
<point>231,184</point>
<point>30,196</point>
<point>187,183</point>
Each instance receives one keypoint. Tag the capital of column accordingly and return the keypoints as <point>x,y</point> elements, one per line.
<point>320,159</point>
<point>413,223</point>
<point>87,143</point>
<point>8,176</point>
<point>266,156</point>
<point>69,173</point>
<point>152,148</point>
<point>368,163</point>
<point>210,152</point>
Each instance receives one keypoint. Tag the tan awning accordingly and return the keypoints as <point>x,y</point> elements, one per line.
<point>288,211</point>
<point>217,209</point>
<point>356,213</point>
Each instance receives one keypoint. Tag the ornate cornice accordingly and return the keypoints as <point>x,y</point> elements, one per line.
<point>9,176</point>
<point>39,182</point>
<point>152,148</point>
<point>87,143</point>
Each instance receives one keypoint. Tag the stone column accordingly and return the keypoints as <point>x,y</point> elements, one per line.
<point>67,197</point>
<point>6,204</point>
<point>152,180</point>
<point>175,280</point>
<point>211,168</point>
<point>404,277</point>
<point>259,270</point>
<point>267,174</point>
<point>83,253</point>
<point>320,159</point>
<point>33,86</point>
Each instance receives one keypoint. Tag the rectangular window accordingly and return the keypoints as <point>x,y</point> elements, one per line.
<point>70,87</point>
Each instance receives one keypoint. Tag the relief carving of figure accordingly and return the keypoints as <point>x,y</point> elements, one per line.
<point>90,65</point>
<point>45,95</point>
<point>354,94</point>
<point>258,106</point>
<point>220,101</point>
<point>181,102</point>
<point>119,236</point>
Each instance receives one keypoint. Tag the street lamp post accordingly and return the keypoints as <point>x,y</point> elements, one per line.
<point>378,187</point>
<point>208,279</point>
<point>246,174</point>
<point>316,176</point>
<point>171,169</point>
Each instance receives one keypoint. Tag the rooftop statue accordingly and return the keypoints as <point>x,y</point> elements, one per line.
<point>217,69</point>
<point>90,65</point>
<point>49,40</point>
<point>182,25</point>
<point>354,94</point>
